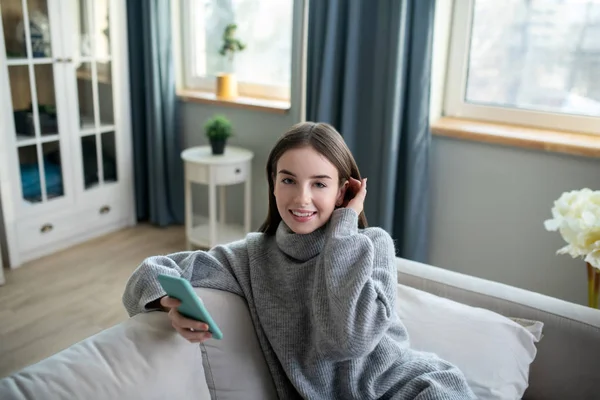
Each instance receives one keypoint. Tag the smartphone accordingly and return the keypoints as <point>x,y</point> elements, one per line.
<point>191,305</point>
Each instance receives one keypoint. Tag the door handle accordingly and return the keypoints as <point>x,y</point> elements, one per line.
<point>104,209</point>
<point>46,228</point>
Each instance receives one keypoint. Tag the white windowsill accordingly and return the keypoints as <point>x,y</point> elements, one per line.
<point>251,103</point>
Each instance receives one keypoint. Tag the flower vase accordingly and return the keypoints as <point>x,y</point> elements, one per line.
<point>593,275</point>
<point>227,88</point>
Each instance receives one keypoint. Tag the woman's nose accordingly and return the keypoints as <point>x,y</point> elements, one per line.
<point>303,195</point>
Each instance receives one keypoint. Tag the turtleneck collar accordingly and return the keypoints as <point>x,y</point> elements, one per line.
<point>301,247</point>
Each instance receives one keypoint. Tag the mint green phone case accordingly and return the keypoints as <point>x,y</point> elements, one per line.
<point>191,306</point>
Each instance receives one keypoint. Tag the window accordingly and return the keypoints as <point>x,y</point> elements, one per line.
<point>263,68</point>
<point>530,62</point>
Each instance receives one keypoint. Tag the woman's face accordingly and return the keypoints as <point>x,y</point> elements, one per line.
<point>306,189</point>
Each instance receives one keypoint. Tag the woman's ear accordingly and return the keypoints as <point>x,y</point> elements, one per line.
<point>339,201</point>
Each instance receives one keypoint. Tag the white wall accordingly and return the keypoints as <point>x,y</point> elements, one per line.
<point>488,206</point>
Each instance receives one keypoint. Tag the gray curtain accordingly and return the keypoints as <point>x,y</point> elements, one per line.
<point>156,135</point>
<point>369,65</point>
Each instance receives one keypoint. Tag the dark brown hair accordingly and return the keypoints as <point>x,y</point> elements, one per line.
<point>325,140</point>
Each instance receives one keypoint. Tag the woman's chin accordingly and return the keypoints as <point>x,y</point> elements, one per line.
<point>302,228</point>
<point>303,231</point>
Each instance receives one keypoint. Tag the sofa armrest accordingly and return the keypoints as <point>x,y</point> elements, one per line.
<point>140,358</point>
<point>567,362</point>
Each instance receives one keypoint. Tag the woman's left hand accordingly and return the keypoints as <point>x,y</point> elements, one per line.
<point>360,192</point>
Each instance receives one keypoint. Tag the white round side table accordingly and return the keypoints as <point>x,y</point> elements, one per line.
<point>230,168</point>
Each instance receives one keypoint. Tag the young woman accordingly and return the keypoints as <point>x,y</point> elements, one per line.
<point>320,285</point>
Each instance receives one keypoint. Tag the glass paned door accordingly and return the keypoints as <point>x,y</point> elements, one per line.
<point>32,73</point>
<point>26,27</point>
<point>95,94</point>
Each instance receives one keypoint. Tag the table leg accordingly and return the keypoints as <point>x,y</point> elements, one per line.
<point>222,203</point>
<point>212,211</point>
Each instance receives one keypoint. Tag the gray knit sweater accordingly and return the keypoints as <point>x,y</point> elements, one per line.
<point>323,306</point>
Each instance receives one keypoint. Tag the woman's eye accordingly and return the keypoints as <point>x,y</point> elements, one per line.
<point>320,185</point>
<point>287,181</point>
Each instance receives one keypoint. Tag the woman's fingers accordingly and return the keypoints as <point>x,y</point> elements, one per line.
<point>357,201</point>
<point>192,336</point>
<point>169,302</point>
<point>192,330</point>
<point>357,185</point>
<point>186,323</point>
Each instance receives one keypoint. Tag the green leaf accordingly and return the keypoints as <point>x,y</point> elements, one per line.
<point>218,127</point>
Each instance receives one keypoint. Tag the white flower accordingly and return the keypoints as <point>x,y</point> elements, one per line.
<point>593,258</point>
<point>576,215</point>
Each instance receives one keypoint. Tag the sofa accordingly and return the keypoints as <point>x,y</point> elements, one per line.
<point>144,358</point>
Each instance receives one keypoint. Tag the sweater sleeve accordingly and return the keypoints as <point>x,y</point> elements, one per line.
<point>355,292</point>
<point>213,269</point>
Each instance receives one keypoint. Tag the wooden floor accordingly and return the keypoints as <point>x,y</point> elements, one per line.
<point>53,302</point>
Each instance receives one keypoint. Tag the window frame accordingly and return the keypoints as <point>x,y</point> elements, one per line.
<point>189,25</point>
<point>456,80</point>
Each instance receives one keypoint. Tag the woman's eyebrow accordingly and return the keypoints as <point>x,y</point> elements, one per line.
<point>286,172</point>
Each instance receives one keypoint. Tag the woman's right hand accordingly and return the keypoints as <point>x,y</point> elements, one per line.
<point>358,190</point>
<point>191,330</point>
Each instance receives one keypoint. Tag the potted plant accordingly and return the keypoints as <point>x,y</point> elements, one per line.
<point>226,81</point>
<point>218,129</point>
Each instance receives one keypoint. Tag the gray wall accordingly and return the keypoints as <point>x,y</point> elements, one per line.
<point>488,206</point>
<point>254,130</point>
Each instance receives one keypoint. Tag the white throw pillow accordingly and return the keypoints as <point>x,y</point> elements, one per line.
<point>493,351</point>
